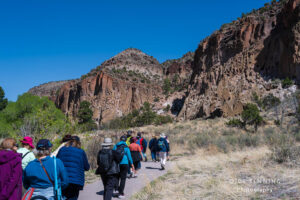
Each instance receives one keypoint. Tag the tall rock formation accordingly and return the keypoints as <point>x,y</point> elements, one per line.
<point>241,58</point>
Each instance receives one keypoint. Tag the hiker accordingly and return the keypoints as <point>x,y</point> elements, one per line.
<point>26,151</point>
<point>10,170</point>
<point>143,144</point>
<point>153,147</point>
<point>136,153</point>
<point>168,152</point>
<point>129,136</point>
<point>45,176</point>
<point>63,142</point>
<point>108,167</point>
<point>163,148</point>
<point>124,164</point>
<point>75,162</point>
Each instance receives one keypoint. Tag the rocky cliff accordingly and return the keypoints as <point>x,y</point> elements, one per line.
<point>118,85</point>
<point>243,57</point>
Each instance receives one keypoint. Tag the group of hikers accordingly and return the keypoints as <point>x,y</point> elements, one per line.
<point>35,172</point>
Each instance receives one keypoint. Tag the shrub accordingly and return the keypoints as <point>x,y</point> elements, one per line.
<point>256,99</point>
<point>234,123</point>
<point>287,83</point>
<point>166,86</point>
<point>250,116</point>
<point>270,101</point>
<point>3,101</point>
<point>248,140</point>
<point>167,108</point>
<point>282,148</point>
<point>85,113</point>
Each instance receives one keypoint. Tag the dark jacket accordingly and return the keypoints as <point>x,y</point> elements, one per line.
<point>115,168</point>
<point>10,175</point>
<point>153,144</point>
<point>75,162</point>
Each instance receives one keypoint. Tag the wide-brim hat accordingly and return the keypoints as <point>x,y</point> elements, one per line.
<point>27,140</point>
<point>162,135</point>
<point>107,142</point>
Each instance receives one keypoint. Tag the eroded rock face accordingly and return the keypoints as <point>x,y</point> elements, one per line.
<point>240,58</point>
<point>110,97</point>
<point>115,88</point>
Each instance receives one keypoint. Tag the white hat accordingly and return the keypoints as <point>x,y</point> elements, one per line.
<point>162,135</point>
<point>107,142</point>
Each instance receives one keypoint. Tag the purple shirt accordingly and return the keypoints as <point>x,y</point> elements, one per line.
<point>10,175</point>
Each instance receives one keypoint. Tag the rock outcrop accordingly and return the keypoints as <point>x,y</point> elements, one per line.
<point>115,88</point>
<point>242,57</point>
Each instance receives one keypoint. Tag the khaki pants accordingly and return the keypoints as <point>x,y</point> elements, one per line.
<point>163,158</point>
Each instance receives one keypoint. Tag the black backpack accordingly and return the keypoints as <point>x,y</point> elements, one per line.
<point>104,161</point>
<point>120,152</point>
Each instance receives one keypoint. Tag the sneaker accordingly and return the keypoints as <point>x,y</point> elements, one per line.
<point>121,196</point>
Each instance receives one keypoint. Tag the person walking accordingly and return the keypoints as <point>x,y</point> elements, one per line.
<point>163,148</point>
<point>168,152</point>
<point>63,143</point>
<point>39,175</point>
<point>136,154</point>
<point>124,164</point>
<point>75,162</point>
<point>153,147</point>
<point>129,136</point>
<point>26,151</point>
<point>143,144</point>
<point>10,171</point>
<point>108,168</point>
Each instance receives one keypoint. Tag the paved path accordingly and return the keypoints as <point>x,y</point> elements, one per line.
<point>149,172</point>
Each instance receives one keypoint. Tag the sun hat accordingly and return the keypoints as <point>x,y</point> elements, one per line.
<point>43,144</point>
<point>162,135</point>
<point>107,142</point>
<point>27,140</point>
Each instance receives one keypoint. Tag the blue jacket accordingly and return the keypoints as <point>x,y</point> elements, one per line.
<point>34,175</point>
<point>127,159</point>
<point>75,161</point>
<point>166,147</point>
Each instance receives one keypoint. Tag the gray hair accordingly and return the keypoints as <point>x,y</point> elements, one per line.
<point>43,152</point>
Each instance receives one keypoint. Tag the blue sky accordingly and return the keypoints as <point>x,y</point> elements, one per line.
<point>43,40</point>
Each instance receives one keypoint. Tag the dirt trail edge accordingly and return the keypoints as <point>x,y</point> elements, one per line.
<point>148,173</point>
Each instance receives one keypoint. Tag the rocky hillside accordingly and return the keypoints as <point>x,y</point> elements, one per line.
<point>118,85</point>
<point>48,89</point>
<point>242,57</point>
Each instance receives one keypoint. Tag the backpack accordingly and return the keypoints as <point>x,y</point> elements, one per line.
<point>161,145</point>
<point>105,159</point>
<point>120,152</point>
<point>140,142</point>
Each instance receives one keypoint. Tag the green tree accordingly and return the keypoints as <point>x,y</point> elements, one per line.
<point>3,101</point>
<point>250,116</point>
<point>166,86</point>
<point>85,113</point>
<point>34,116</point>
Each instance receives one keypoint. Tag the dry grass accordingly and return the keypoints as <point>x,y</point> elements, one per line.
<point>226,176</point>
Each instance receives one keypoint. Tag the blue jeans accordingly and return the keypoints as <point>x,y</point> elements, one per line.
<point>153,155</point>
<point>48,193</point>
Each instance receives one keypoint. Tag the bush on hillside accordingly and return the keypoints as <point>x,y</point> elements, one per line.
<point>270,101</point>
<point>137,118</point>
<point>235,123</point>
<point>250,116</point>
<point>33,116</point>
<point>3,101</point>
<point>286,83</point>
